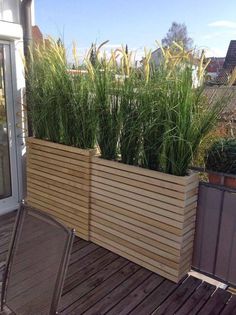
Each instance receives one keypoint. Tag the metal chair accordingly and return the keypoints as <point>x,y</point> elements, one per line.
<point>36,264</point>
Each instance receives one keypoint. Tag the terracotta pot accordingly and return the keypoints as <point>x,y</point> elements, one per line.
<point>216,179</point>
<point>230,182</point>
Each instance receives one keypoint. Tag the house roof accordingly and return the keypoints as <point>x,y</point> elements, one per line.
<point>37,34</point>
<point>156,50</point>
<point>230,59</point>
<point>225,74</point>
<point>38,37</point>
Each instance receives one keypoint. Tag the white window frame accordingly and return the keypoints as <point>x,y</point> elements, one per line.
<point>12,202</point>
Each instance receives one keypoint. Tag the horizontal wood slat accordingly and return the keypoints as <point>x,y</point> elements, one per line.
<point>129,254</point>
<point>78,221</point>
<point>54,166</point>
<point>134,252</point>
<point>58,182</point>
<point>136,246</point>
<point>73,207</point>
<point>81,159</point>
<point>132,185</point>
<point>136,238</point>
<point>59,179</point>
<point>80,229</point>
<point>180,180</point>
<point>139,225</point>
<point>146,216</point>
<point>57,157</point>
<point>148,223</point>
<point>35,183</point>
<point>61,147</point>
<point>141,194</point>
<point>114,197</point>
<point>58,174</point>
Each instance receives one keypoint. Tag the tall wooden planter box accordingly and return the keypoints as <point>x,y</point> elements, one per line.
<point>143,215</point>
<point>58,181</point>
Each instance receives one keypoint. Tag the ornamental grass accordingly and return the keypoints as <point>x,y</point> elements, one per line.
<point>149,116</point>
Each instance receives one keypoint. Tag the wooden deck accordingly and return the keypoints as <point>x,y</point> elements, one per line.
<point>101,282</point>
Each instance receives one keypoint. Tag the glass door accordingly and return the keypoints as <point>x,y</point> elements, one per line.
<point>8,169</point>
<point>5,172</point>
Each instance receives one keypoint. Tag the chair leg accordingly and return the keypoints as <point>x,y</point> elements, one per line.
<point>6,311</point>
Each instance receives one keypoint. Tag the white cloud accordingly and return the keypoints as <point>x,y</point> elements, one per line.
<point>215,52</point>
<point>112,46</point>
<point>212,35</point>
<point>223,23</point>
<point>219,34</point>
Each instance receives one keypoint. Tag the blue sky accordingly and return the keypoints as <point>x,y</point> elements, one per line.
<point>211,23</point>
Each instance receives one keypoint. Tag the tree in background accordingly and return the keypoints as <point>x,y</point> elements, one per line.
<point>61,45</point>
<point>93,55</point>
<point>60,42</point>
<point>126,50</point>
<point>177,33</point>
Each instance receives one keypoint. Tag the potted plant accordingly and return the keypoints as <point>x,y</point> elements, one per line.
<point>143,196</point>
<point>63,116</point>
<point>220,162</point>
<point>138,197</point>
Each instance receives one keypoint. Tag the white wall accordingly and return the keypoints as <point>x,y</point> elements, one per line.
<point>9,10</point>
<point>32,13</point>
<point>156,57</point>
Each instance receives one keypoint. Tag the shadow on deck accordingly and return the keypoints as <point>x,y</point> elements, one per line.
<point>101,282</point>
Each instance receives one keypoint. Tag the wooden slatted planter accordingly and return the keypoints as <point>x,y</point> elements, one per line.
<point>58,181</point>
<point>143,215</point>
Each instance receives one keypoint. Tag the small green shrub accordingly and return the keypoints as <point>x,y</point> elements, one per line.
<point>221,156</point>
<point>216,133</point>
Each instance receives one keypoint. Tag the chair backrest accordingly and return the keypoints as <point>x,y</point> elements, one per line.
<point>37,263</point>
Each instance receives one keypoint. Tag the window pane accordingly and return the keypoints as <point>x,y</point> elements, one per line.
<point>5,176</point>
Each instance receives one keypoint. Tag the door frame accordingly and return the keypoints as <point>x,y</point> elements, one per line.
<point>12,202</point>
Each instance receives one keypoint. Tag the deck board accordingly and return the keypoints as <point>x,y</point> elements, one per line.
<point>78,277</point>
<point>101,282</point>
<point>92,282</point>
<point>137,296</point>
<point>151,303</point>
<point>179,297</point>
<point>197,300</point>
<point>216,304</point>
<point>230,308</point>
<point>120,292</point>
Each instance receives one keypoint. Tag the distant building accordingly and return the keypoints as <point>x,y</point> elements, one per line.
<point>156,57</point>
<point>230,59</point>
<point>37,35</point>
<point>214,67</point>
<point>229,65</point>
<point>38,38</point>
